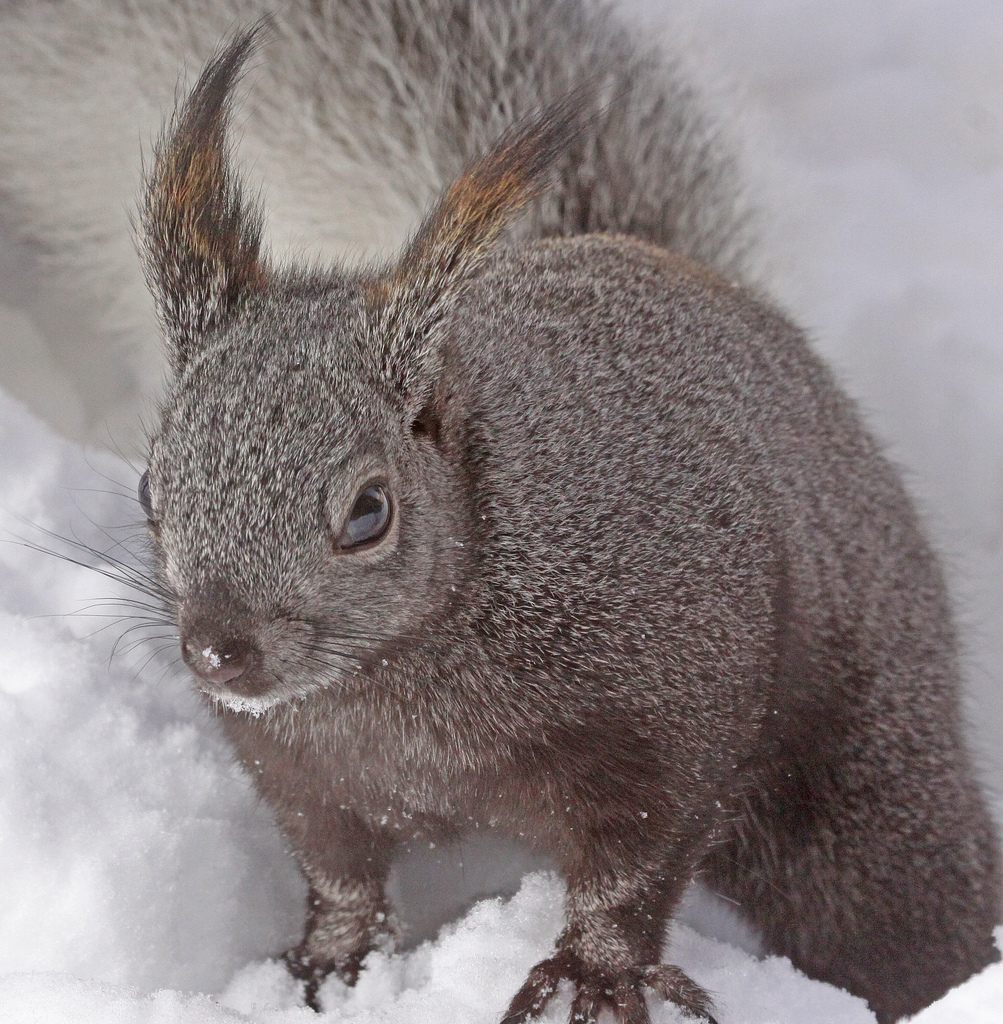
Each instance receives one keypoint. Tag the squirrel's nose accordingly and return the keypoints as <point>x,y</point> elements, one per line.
<point>218,661</point>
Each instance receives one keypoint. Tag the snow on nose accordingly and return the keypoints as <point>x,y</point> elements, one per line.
<point>219,661</point>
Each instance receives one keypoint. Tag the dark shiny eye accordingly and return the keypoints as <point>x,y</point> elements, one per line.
<point>145,499</point>
<point>369,518</point>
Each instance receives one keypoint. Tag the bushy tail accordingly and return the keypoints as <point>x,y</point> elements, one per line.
<point>411,90</point>
<point>357,115</point>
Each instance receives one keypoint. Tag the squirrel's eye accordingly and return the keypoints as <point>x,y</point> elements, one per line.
<point>369,518</point>
<point>145,499</point>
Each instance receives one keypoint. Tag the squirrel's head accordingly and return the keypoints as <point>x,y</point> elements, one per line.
<point>306,490</point>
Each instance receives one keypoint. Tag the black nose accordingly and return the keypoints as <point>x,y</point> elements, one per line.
<point>218,661</point>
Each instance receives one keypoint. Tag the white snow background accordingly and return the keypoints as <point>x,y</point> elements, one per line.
<point>137,866</point>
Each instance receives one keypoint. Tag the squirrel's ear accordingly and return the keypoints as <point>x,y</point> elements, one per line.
<point>199,236</point>
<point>409,297</point>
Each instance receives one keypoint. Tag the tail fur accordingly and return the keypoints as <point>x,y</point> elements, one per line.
<point>359,112</point>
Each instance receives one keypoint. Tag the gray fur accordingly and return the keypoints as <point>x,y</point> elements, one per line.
<point>360,113</point>
<point>651,595</point>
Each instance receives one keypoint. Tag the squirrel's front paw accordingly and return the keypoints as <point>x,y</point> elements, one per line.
<point>347,920</point>
<point>313,970</point>
<point>621,992</point>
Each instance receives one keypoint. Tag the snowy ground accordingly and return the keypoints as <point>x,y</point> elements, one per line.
<point>134,856</point>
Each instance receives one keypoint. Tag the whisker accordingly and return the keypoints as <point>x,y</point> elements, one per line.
<point>159,650</point>
<point>84,614</point>
<point>320,655</point>
<point>132,629</point>
<point>103,490</point>
<point>109,625</point>
<point>325,631</point>
<point>117,570</point>
<point>115,577</point>
<point>168,667</point>
<point>116,543</point>
<point>124,602</point>
<point>117,448</point>
<point>104,476</point>
<point>337,652</point>
<point>146,640</point>
<point>76,543</point>
<point>327,664</point>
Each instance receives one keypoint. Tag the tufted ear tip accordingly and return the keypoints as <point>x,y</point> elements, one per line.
<point>477,206</point>
<point>199,235</point>
<point>408,296</point>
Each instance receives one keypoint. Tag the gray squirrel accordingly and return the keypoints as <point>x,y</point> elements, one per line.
<point>548,522</point>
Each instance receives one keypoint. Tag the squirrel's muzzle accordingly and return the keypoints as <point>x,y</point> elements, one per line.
<point>218,639</point>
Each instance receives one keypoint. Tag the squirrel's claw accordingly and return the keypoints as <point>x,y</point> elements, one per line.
<point>596,990</point>
<point>313,971</point>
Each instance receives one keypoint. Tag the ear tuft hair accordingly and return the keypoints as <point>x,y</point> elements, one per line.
<point>199,236</point>
<point>480,203</point>
<point>410,296</point>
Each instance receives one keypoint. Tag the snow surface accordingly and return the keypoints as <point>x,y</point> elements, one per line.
<point>138,867</point>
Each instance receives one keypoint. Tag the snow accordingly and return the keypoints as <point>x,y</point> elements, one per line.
<point>145,882</point>
<point>980,1001</point>
<point>253,706</point>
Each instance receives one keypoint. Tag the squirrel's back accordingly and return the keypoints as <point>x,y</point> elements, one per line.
<point>641,384</point>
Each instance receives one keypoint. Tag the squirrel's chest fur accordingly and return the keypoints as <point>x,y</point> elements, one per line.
<point>419,774</point>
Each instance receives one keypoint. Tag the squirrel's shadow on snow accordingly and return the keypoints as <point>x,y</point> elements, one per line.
<point>431,886</point>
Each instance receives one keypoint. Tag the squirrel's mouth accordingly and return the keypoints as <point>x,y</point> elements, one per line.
<point>253,706</point>
<point>252,690</point>
<point>262,689</point>
<point>258,693</point>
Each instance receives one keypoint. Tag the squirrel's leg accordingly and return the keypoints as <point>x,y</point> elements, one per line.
<point>610,950</point>
<point>346,864</point>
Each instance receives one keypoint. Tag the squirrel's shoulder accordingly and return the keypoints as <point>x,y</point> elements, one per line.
<point>609,291</point>
<point>608,276</point>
